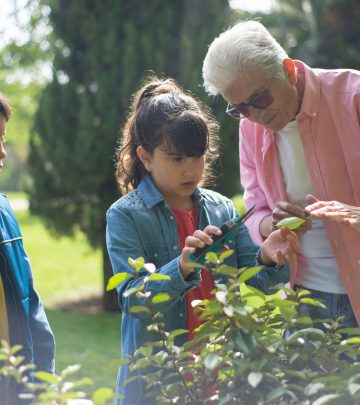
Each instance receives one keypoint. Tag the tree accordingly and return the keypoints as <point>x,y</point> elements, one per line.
<point>24,53</point>
<point>102,50</point>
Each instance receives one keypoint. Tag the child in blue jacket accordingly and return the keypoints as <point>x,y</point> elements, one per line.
<point>22,316</point>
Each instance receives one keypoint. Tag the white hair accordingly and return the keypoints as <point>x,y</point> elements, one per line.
<point>245,46</point>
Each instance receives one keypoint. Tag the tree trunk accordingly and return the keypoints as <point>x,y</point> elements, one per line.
<point>110,298</point>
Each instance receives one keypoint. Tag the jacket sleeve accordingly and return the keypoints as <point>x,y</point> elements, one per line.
<point>43,338</point>
<point>253,193</point>
<point>124,242</point>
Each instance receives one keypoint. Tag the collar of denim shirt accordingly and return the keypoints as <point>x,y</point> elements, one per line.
<point>152,196</point>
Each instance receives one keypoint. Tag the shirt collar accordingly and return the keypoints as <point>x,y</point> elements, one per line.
<point>152,196</point>
<point>149,192</point>
<point>311,98</point>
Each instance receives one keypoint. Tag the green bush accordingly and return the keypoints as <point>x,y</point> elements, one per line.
<point>239,354</point>
<point>49,389</point>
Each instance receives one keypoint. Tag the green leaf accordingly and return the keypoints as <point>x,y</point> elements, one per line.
<point>221,297</point>
<point>290,222</point>
<point>245,342</point>
<point>47,377</point>
<point>139,308</point>
<point>116,279</point>
<point>211,257</point>
<point>144,351</point>
<point>311,301</point>
<point>227,270</point>
<point>102,395</point>
<point>350,331</point>
<point>178,332</point>
<point>313,389</point>
<point>325,399</point>
<point>254,378</point>
<point>224,255</point>
<point>131,291</point>
<point>83,381</point>
<point>70,370</point>
<point>351,340</point>
<point>158,276</point>
<point>248,273</point>
<point>161,297</point>
<point>137,264</point>
<point>353,388</point>
<point>229,310</point>
<point>275,393</point>
<point>211,361</point>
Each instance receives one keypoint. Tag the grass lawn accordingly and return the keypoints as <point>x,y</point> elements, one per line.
<point>92,340</point>
<point>67,272</point>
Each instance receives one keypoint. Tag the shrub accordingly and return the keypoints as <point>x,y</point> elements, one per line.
<point>240,355</point>
<point>62,388</point>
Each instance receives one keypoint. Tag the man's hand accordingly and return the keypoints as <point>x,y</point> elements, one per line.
<point>285,209</point>
<point>335,211</point>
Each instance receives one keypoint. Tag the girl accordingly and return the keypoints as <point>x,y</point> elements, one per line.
<point>168,143</point>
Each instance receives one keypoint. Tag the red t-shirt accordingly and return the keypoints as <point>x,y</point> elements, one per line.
<point>187,223</point>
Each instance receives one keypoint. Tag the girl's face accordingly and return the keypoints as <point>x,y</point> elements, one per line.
<point>2,140</point>
<point>175,176</point>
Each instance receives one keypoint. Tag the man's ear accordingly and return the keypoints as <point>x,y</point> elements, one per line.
<point>144,156</point>
<point>290,69</point>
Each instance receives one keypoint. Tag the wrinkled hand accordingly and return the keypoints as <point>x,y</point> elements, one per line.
<point>281,245</point>
<point>285,209</point>
<point>335,211</point>
<point>198,240</point>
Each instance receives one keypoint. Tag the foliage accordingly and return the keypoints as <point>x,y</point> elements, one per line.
<point>240,354</point>
<point>24,56</point>
<point>47,387</point>
<point>323,34</point>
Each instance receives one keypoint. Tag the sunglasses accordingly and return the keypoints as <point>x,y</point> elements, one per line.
<point>260,101</point>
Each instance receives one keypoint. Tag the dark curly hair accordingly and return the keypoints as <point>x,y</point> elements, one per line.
<point>161,113</point>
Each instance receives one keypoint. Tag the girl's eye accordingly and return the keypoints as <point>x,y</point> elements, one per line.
<point>177,159</point>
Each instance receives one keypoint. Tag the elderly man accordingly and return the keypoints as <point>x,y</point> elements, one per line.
<point>299,137</point>
<point>22,316</point>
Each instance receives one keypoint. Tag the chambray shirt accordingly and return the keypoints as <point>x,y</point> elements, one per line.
<point>28,325</point>
<point>141,224</point>
<point>329,124</point>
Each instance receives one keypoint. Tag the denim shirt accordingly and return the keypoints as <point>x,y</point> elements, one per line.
<point>141,224</point>
<point>28,325</point>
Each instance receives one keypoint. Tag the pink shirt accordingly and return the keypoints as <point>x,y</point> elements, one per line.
<point>329,126</point>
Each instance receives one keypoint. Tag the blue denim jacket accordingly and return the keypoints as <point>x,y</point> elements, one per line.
<point>141,224</point>
<point>28,325</point>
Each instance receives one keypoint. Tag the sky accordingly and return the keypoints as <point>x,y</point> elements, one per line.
<point>253,5</point>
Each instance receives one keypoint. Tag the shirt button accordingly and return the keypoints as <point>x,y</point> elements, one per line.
<point>314,114</point>
<point>181,315</point>
<point>174,247</point>
<point>171,217</point>
<point>155,254</point>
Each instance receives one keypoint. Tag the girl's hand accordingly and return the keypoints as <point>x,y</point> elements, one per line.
<point>334,210</point>
<point>280,246</point>
<point>198,240</point>
<point>285,209</point>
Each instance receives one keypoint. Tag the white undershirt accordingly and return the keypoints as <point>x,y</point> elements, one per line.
<point>317,267</point>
